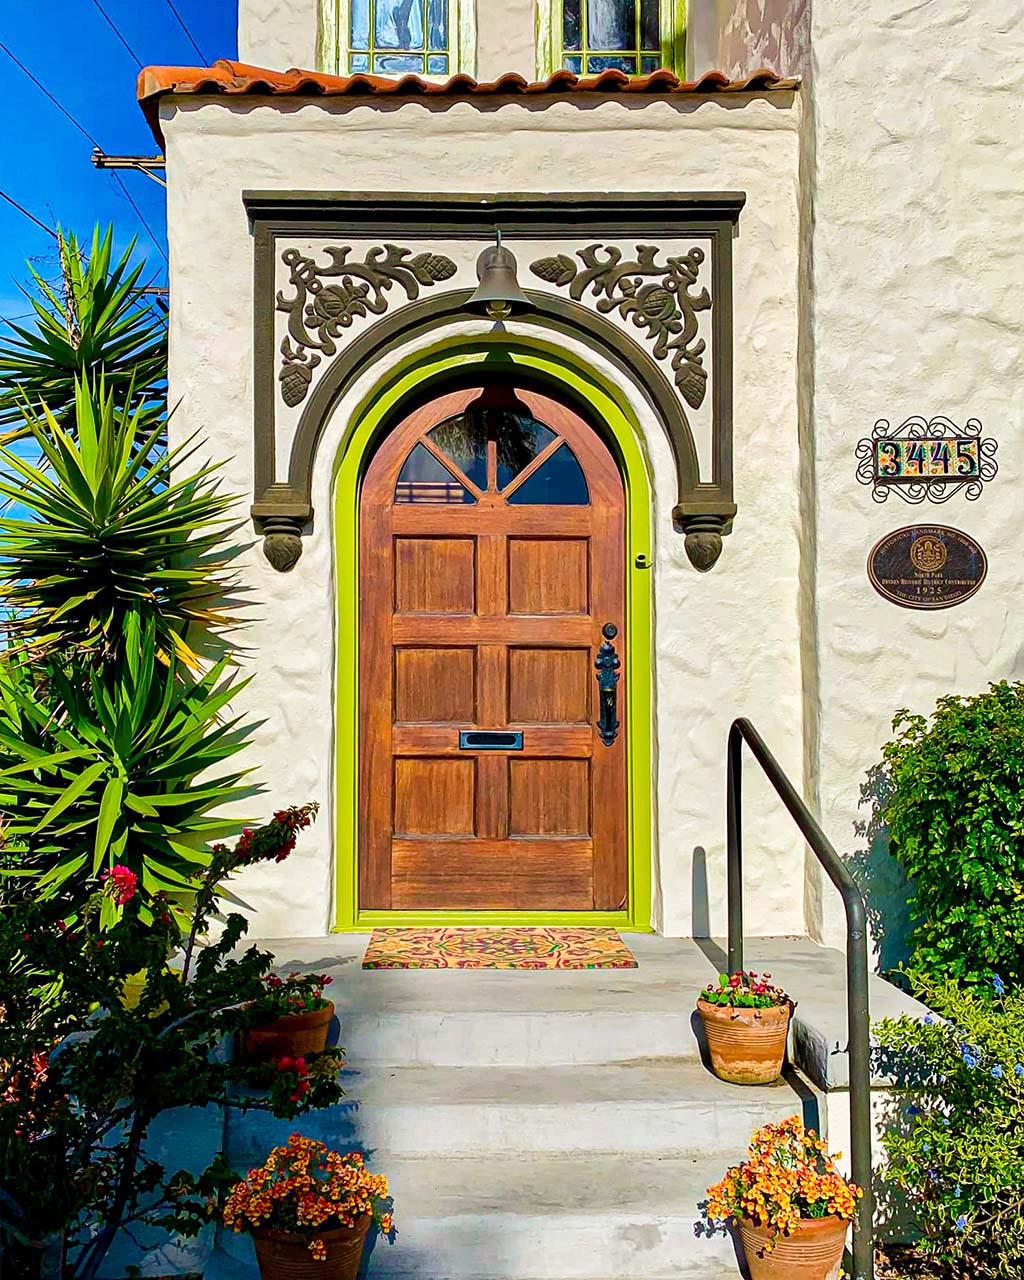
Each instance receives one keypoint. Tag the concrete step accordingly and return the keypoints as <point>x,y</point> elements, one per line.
<point>557,1217</point>
<point>656,1106</point>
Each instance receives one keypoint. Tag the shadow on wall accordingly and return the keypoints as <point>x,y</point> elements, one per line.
<point>880,878</point>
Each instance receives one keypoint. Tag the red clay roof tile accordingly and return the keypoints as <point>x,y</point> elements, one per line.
<point>239,79</point>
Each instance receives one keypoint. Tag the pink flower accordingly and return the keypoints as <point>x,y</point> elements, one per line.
<point>122,883</point>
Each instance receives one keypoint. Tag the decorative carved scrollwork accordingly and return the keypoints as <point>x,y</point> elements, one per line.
<point>655,297</point>
<point>318,312</point>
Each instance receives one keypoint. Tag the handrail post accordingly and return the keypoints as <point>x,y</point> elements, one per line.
<point>857,1002</point>
<point>859,1049</point>
<point>734,848</point>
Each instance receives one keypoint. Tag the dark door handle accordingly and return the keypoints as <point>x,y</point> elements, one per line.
<point>607,665</point>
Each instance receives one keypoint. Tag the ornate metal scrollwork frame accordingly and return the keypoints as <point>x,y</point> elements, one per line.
<point>332,287</point>
<point>937,488</point>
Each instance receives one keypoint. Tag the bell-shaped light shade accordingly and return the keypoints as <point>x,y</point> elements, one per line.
<point>498,295</point>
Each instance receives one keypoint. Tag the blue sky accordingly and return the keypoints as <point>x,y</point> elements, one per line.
<point>44,160</point>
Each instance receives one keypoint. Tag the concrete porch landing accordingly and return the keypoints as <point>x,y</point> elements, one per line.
<point>555,1124</point>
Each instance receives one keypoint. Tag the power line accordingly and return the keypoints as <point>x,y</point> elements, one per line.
<point>31,216</point>
<point>181,23</point>
<point>138,213</point>
<point>85,134</point>
<point>113,26</point>
<point>43,89</point>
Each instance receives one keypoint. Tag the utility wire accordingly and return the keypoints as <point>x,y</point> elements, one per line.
<point>43,89</point>
<point>113,26</point>
<point>90,137</point>
<point>184,26</point>
<point>31,216</point>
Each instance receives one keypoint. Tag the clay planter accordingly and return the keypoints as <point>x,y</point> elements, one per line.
<point>291,1036</point>
<point>813,1252</point>
<point>747,1046</point>
<point>284,1255</point>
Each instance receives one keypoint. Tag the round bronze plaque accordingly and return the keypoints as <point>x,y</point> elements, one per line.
<point>927,566</point>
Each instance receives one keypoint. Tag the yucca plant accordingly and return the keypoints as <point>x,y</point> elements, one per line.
<point>105,534</point>
<point>102,769</point>
<point>97,321</point>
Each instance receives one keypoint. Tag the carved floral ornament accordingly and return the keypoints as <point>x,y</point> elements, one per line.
<point>661,299</point>
<point>664,297</point>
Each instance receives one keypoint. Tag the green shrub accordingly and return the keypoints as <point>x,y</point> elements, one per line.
<point>955,815</point>
<point>955,1148</point>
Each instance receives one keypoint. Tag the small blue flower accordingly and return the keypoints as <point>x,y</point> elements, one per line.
<point>997,1072</point>
<point>970,1056</point>
<point>961,1223</point>
<point>930,1019</point>
<point>999,985</point>
<point>932,1176</point>
<point>1019,1069</point>
<point>958,1190</point>
<point>914,1110</point>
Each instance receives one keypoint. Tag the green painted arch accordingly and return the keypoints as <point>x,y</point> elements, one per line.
<point>428,373</point>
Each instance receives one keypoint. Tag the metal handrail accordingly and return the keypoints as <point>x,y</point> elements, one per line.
<point>858,1017</point>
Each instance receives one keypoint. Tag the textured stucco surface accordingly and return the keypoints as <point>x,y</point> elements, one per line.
<point>726,643</point>
<point>918,119</point>
<point>740,36</point>
<point>506,39</point>
<point>278,33</point>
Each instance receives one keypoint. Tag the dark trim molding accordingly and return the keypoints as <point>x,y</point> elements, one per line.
<point>283,509</point>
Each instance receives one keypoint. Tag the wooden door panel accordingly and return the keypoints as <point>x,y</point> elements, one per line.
<point>548,575</point>
<point>498,875</point>
<point>549,797</point>
<point>549,686</point>
<point>435,686</point>
<point>435,575</point>
<point>435,797</point>
<point>481,606</point>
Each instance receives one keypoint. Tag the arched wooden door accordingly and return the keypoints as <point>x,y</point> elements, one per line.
<point>492,545</point>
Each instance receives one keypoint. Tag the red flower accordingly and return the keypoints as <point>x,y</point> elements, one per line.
<point>122,884</point>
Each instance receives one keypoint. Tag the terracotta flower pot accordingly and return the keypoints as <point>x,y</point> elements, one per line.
<point>285,1255</point>
<point>291,1036</point>
<point>813,1252</point>
<point>747,1046</point>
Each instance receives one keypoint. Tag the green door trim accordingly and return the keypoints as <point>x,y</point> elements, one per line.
<point>583,385</point>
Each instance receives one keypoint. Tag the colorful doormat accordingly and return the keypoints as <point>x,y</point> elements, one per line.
<point>479,947</point>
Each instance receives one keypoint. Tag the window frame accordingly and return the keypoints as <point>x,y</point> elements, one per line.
<point>335,25</point>
<point>551,54</point>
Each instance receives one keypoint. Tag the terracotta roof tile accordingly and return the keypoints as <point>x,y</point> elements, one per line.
<point>236,79</point>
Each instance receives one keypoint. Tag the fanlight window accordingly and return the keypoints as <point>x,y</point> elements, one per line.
<point>408,37</point>
<point>503,452</point>
<point>591,36</point>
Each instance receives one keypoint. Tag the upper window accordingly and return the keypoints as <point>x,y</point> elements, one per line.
<point>591,36</point>
<point>435,38</point>
<point>598,34</point>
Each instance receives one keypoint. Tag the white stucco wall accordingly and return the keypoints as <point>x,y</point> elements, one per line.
<point>279,33</point>
<point>918,245</point>
<point>727,642</point>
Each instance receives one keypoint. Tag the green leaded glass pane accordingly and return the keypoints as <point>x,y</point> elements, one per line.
<point>611,24</point>
<point>572,24</point>
<point>598,35</point>
<point>396,37</point>
<point>398,24</point>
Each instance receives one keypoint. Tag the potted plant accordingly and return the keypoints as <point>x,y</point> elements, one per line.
<point>308,1210</point>
<point>789,1203</point>
<point>290,1018</point>
<point>746,1022</point>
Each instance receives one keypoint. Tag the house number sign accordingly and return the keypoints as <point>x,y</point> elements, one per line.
<point>927,566</point>
<point>931,459</point>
